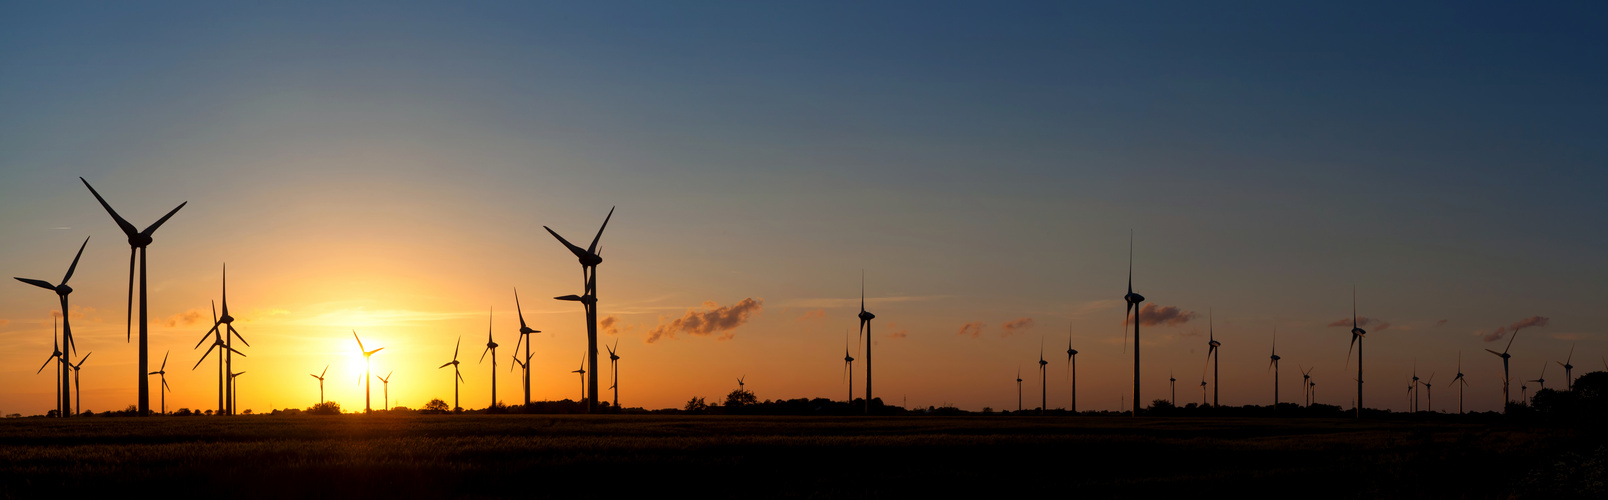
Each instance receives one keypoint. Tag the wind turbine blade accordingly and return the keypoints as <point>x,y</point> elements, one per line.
<point>152,229</point>
<point>518,339</point>
<point>321,374</point>
<point>39,283</point>
<point>231,349</point>
<point>204,356</point>
<point>238,336</point>
<point>47,363</point>
<point>359,341</point>
<point>1493,352</point>
<point>444,365</point>
<point>455,348</point>
<point>164,361</point>
<point>165,384</point>
<point>1511,338</point>
<point>211,333</point>
<point>74,267</point>
<point>128,326</point>
<point>521,310</point>
<point>578,251</point>
<point>483,354</point>
<point>460,375</point>
<point>128,229</point>
<point>593,248</point>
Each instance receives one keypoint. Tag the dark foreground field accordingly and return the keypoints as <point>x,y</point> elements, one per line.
<point>768,457</point>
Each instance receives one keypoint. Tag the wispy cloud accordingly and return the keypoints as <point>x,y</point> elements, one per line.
<point>1015,325</point>
<point>831,303</point>
<point>610,325</point>
<point>813,314</point>
<point>1503,331</point>
<point>1363,322</point>
<point>712,320</point>
<point>895,332</point>
<point>972,328</point>
<point>186,318</point>
<point>1152,315</point>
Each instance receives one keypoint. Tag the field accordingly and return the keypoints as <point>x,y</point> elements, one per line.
<point>729,456</point>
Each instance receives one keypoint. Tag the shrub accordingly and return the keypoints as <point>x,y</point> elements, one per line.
<point>325,408</point>
<point>435,406</point>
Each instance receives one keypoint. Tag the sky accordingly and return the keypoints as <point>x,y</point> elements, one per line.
<point>388,168</point>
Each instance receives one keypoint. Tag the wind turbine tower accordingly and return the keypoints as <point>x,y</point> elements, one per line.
<point>1134,300</point>
<point>589,259</point>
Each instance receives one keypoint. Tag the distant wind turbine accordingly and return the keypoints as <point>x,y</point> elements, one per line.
<point>320,378</point>
<point>865,327</point>
<point>1072,368</point>
<point>137,242</point>
<point>614,369</point>
<point>491,347</point>
<point>79,393</point>
<point>217,343</point>
<point>457,376</point>
<point>1044,391</point>
<point>582,372</point>
<point>1505,378</point>
<point>524,337</point>
<point>1462,382</point>
<point>1211,353</point>
<point>1542,379</point>
<point>1274,365</point>
<point>1568,370</point>
<point>60,359</point>
<point>1018,389</point>
<point>589,258</point>
<point>386,383</point>
<point>232,392</point>
<point>848,366</point>
<point>1357,334</point>
<point>1412,387</point>
<point>224,325</point>
<point>1134,300</point>
<point>1172,385</point>
<point>164,389</point>
<point>367,406</point>
<point>63,393</point>
<point>1429,391</point>
<point>1306,379</point>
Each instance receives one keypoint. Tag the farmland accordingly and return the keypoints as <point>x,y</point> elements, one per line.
<point>725,456</point>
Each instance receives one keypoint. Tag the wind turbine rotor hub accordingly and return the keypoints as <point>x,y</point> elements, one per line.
<point>63,289</point>
<point>867,316</point>
<point>139,240</point>
<point>1358,332</point>
<point>1133,298</point>
<point>226,319</point>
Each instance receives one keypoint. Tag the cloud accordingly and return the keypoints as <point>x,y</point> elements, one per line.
<point>1439,323</point>
<point>896,332</point>
<point>973,328</point>
<point>1012,326</point>
<point>1502,331</point>
<point>610,325</point>
<point>1362,322</point>
<point>812,314</point>
<point>187,318</point>
<point>713,319</point>
<point>1151,315</point>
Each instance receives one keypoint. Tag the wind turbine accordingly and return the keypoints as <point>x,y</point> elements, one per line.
<point>1211,352</point>
<point>458,377</point>
<point>320,378</point>
<point>865,327</point>
<point>1542,379</point>
<point>80,393</point>
<point>1072,367</point>
<point>224,325</point>
<point>1413,387</point>
<point>386,383</point>
<point>1172,384</point>
<point>162,373</point>
<point>1203,390</point>
<point>1459,379</point>
<point>1274,365</point>
<point>1044,391</point>
<point>491,347</point>
<point>1133,300</point>
<point>582,372</point>
<point>214,334</point>
<point>1568,370</point>
<point>524,337</point>
<point>1429,392</point>
<point>64,396</point>
<point>614,372</point>
<point>217,342</point>
<point>848,366</point>
<point>137,243</point>
<point>1505,357</point>
<point>233,393</point>
<point>1306,377</point>
<point>366,353</point>
<point>1357,334</point>
<point>740,385</point>
<point>57,357</point>
<point>1018,389</point>
<point>589,259</point>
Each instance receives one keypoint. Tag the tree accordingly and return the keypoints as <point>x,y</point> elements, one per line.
<point>325,408</point>
<point>696,405</point>
<point>436,406</point>
<point>740,397</point>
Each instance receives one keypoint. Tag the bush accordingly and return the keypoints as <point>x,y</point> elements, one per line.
<point>696,405</point>
<point>435,406</point>
<point>740,397</point>
<point>325,408</point>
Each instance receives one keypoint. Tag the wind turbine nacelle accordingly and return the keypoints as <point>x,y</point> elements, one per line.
<point>1215,343</point>
<point>867,316</point>
<point>226,319</point>
<point>1358,332</point>
<point>525,330</point>
<point>63,289</point>
<point>1133,298</point>
<point>139,240</point>
<point>591,260</point>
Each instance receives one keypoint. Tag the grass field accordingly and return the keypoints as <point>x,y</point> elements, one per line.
<point>768,457</point>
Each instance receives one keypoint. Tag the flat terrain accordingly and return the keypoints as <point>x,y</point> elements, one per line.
<point>766,457</point>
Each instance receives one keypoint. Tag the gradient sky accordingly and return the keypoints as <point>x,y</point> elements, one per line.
<point>388,168</point>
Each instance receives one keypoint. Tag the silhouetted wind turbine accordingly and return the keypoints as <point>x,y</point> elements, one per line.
<point>214,334</point>
<point>57,356</point>
<point>491,347</point>
<point>848,366</point>
<point>320,378</point>
<point>1018,389</point>
<point>614,369</point>
<point>232,392</point>
<point>385,382</point>
<point>524,337</point>
<point>1133,300</point>
<point>79,393</point>
<point>458,377</point>
<point>589,259</point>
<point>1044,391</point>
<point>1568,371</point>
<point>162,374</point>
<point>64,396</point>
<point>1429,392</point>
<point>1274,365</point>
<point>137,242</point>
<point>1211,352</point>
<point>1203,390</point>
<point>741,386</point>
<point>1505,378</point>
<point>1172,386</point>
<point>366,353</point>
<point>582,372</point>
<point>865,327</point>
<point>1413,387</point>
<point>217,342</point>
<point>1459,379</point>
<point>1072,367</point>
<point>1306,376</point>
<point>1543,378</point>
<point>224,325</point>
<point>1357,334</point>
